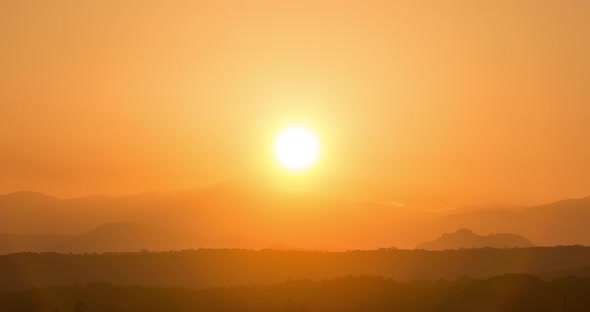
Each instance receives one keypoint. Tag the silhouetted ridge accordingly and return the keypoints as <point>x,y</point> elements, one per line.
<point>464,238</point>
<point>127,236</point>
<point>25,198</point>
<point>255,216</point>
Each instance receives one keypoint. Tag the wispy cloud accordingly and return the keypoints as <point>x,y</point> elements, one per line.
<point>395,204</point>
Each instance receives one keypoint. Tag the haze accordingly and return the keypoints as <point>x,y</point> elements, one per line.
<point>430,104</point>
<point>294,155</point>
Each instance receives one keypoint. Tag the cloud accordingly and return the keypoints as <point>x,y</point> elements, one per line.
<point>395,204</point>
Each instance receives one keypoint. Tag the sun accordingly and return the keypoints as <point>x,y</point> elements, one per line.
<point>297,148</point>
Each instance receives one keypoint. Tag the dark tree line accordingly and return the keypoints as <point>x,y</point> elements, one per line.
<point>207,268</point>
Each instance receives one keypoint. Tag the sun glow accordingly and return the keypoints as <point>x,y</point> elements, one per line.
<point>297,148</point>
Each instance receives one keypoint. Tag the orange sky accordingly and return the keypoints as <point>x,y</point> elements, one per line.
<point>422,102</point>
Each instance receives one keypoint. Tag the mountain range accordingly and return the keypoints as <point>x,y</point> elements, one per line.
<point>110,237</point>
<point>245,215</point>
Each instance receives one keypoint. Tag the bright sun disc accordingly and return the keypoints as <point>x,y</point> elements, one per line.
<point>297,148</point>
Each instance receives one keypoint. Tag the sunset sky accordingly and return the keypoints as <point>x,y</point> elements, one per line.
<point>422,102</point>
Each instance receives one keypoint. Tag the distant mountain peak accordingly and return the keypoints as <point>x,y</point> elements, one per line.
<point>25,199</point>
<point>465,238</point>
<point>460,233</point>
<point>26,194</point>
<point>464,231</point>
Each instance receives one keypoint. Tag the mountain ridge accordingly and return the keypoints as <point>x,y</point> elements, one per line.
<point>465,238</point>
<point>248,213</point>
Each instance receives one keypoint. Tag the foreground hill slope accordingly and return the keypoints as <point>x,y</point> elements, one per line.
<point>505,293</point>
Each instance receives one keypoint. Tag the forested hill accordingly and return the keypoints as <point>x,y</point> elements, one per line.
<point>505,293</point>
<point>206,268</point>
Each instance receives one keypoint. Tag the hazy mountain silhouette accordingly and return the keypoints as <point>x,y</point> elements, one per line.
<point>120,237</point>
<point>464,209</point>
<point>248,215</point>
<point>11,243</point>
<point>464,238</point>
<point>111,237</point>
<point>559,223</point>
<point>25,199</point>
<point>233,214</point>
